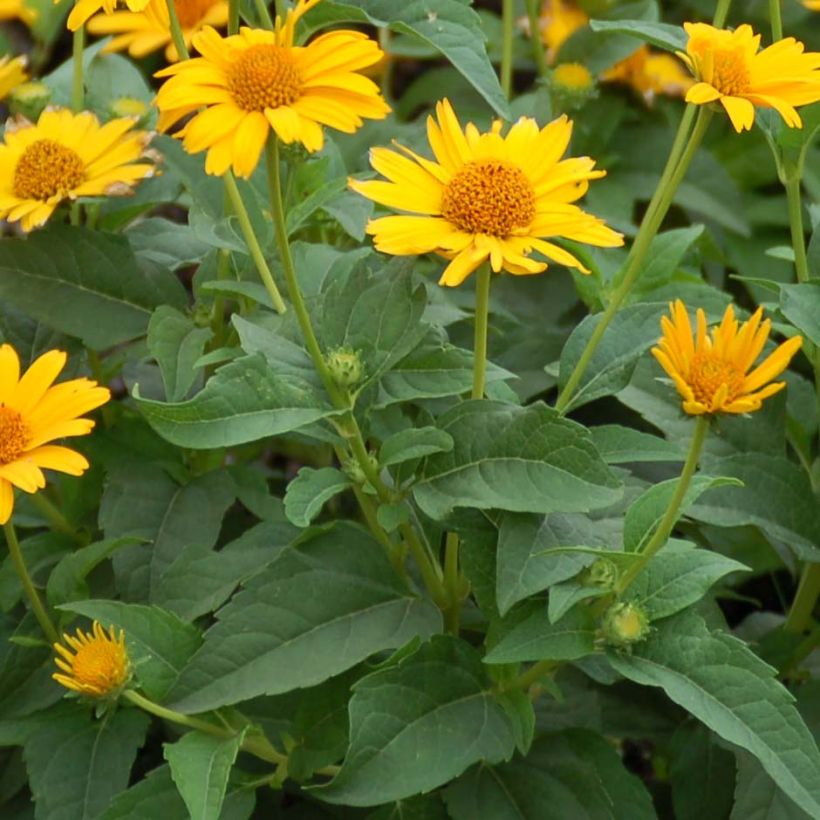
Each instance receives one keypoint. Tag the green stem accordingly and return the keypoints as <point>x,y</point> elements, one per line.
<point>482,310</point>
<point>281,8</point>
<point>721,13</point>
<point>176,717</point>
<point>507,31</point>
<point>658,207</point>
<point>670,517</point>
<point>801,263</point>
<point>776,20</point>
<point>233,17</point>
<point>176,31</point>
<point>533,15</point>
<point>57,521</point>
<point>223,269</point>
<point>264,15</point>
<point>451,583</point>
<point>77,89</point>
<point>808,590</point>
<point>531,676</point>
<point>252,242</point>
<point>37,606</point>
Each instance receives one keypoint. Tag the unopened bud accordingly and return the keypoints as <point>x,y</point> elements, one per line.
<point>131,107</point>
<point>29,100</point>
<point>625,624</point>
<point>603,574</point>
<point>353,470</point>
<point>572,84</point>
<point>345,367</point>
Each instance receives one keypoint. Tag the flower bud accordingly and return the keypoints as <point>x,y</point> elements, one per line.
<point>603,574</point>
<point>572,84</point>
<point>130,107</point>
<point>353,470</point>
<point>29,100</point>
<point>625,624</point>
<point>345,367</point>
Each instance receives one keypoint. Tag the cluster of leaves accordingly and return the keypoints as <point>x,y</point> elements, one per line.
<point>220,531</point>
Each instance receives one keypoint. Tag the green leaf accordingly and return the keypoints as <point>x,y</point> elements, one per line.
<point>800,304</point>
<point>623,445</point>
<point>158,642</point>
<point>176,343</point>
<point>757,796</point>
<point>156,798</point>
<point>84,283</point>
<point>307,493</point>
<point>776,496</point>
<point>722,683</point>
<point>166,243</point>
<point>200,765</point>
<point>423,807</point>
<point>244,401</point>
<point>664,257</point>
<point>356,606</point>
<point>414,443</point>
<point>633,330</point>
<point>564,596</point>
<point>662,35</point>
<point>513,458</point>
<point>569,774</point>
<point>529,559</point>
<point>646,512</point>
<point>436,700</point>
<point>536,639</point>
<point>77,764</point>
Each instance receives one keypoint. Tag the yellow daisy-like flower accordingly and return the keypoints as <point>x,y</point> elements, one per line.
<point>711,373</point>
<point>12,74</point>
<point>17,10</point>
<point>730,69</point>
<point>486,197</point>
<point>65,156</point>
<point>259,80</point>
<point>34,412</point>
<point>84,9</point>
<point>651,73</point>
<point>812,5</point>
<point>559,20</point>
<point>143,32</point>
<point>96,664</point>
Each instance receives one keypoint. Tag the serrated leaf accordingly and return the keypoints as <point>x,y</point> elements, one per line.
<point>200,765</point>
<point>176,343</point>
<point>244,401</point>
<point>514,458</point>
<point>537,638</point>
<point>356,606</point>
<point>438,700</point>
<point>414,443</point>
<point>307,493</point>
<point>800,304</point>
<point>665,255</point>
<point>158,642</point>
<point>757,796</point>
<point>63,276</point>
<point>663,35</point>
<point>722,683</point>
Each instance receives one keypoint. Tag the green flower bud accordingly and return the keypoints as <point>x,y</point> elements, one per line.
<point>353,470</point>
<point>29,100</point>
<point>625,624</point>
<point>130,107</point>
<point>345,367</point>
<point>572,85</point>
<point>603,574</point>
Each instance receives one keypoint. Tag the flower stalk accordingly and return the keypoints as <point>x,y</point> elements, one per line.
<point>482,311</point>
<point>537,43</point>
<point>776,20</point>
<point>507,31</point>
<point>77,88</point>
<point>808,590</point>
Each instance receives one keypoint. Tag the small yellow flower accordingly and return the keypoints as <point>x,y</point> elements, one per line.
<point>812,5</point>
<point>730,68</point>
<point>572,77</point>
<point>12,74</point>
<point>711,373</point>
<point>17,10</point>
<point>96,664</point>
<point>486,197</point>
<point>651,73</point>
<point>65,156</point>
<point>559,20</point>
<point>143,32</point>
<point>259,80</point>
<point>33,412</point>
<point>84,9</point>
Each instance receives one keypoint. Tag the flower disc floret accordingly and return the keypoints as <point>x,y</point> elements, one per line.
<point>713,373</point>
<point>264,76</point>
<point>93,663</point>
<point>46,169</point>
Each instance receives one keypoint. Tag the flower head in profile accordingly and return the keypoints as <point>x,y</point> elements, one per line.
<point>35,412</point>
<point>143,32</point>
<point>558,21</point>
<point>258,80</point>
<point>93,663</point>
<point>65,156</point>
<point>651,74</point>
<point>486,197</point>
<point>84,9</point>
<point>17,10</point>
<point>730,69</point>
<point>12,74</point>
<point>713,373</point>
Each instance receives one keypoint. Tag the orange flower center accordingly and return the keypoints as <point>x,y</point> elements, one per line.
<point>100,665</point>
<point>730,75</point>
<point>14,435</point>
<point>264,76</point>
<point>489,196</point>
<point>708,373</point>
<point>47,169</point>
<point>191,12</point>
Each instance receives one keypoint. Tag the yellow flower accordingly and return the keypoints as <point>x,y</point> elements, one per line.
<point>572,77</point>
<point>559,20</point>
<point>83,9</point>
<point>12,74</point>
<point>486,197</point>
<point>259,80</point>
<point>146,31</point>
<point>17,10</point>
<point>65,156</point>
<point>34,412</point>
<point>96,665</point>
<point>712,372</point>
<point>813,5</point>
<point>730,69</point>
<point>650,73</point>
